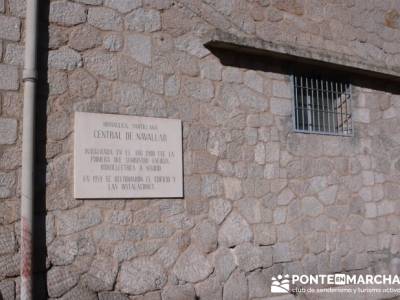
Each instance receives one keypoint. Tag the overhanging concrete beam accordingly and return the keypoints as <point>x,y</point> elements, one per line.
<point>309,56</point>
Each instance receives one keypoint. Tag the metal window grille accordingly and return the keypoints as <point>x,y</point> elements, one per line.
<point>322,106</point>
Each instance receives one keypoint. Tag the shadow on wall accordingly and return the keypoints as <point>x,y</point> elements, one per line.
<point>266,61</point>
<point>42,93</point>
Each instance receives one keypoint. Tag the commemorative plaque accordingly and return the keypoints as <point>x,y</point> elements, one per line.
<point>119,156</point>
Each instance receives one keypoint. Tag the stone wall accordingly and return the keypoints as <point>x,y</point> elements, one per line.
<point>259,200</point>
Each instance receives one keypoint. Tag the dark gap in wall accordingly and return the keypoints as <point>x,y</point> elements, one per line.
<point>268,61</point>
<point>39,284</point>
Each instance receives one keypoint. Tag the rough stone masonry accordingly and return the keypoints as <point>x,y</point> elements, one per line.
<point>260,200</point>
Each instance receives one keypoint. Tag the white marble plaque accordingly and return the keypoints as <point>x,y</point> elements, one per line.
<point>118,156</point>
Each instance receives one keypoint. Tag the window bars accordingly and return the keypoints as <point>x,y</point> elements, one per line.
<point>322,106</point>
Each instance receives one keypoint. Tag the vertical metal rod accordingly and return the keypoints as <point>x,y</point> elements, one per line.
<point>296,104</point>
<point>341,106</point>
<point>332,108</point>
<point>351,108</point>
<point>28,149</point>
<point>327,105</point>
<point>313,105</point>
<point>318,105</point>
<point>302,101</point>
<point>323,105</point>
<point>347,108</point>
<point>336,108</point>
<point>308,100</point>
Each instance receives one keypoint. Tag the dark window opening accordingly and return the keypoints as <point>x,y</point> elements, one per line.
<point>322,106</point>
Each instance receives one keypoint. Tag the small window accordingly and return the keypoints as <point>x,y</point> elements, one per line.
<point>322,106</point>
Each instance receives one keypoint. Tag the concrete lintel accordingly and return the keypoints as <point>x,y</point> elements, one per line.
<point>312,56</point>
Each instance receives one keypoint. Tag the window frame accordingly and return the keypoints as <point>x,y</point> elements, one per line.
<point>319,132</point>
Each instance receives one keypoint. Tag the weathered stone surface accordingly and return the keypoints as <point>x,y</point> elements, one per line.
<point>280,215</point>
<point>7,182</point>
<point>102,274</point>
<point>90,2</point>
<point>178,292</point>
<point>281,253</point>
<point>204,236</point>
<point>141,275</point>
<point>231,74</point>
<point>224,263</point>
<point>58,82</point>
<point>8,77</point>
<point>67,13</point>
<point>127,94</point>
<point>8,131</point>
<point>58,125</point>
<point>143,20</point>
<point>236,287</point>
<point>17,8</point>
<point>7,240</point>
<point>210,68</point>
<point>82,84</point>
<point>201,89</point>
<point>259,153</point>
<point>129,70</point>
<point>9,265</point>
<point>64,59</point>
<point>264,234</point>
<point>147,296</point>
<point>109,233</point>
<point>153,81</point>
<point>113,42</point>
<point>311,206</point>
<point>233,188</point>
<point>14,55</point>
<point>191,44</point>
<point>234,231</point>
<point>84,37</point>
<point>62,252</point>
<point>254,81</point>
<point>203,162</point>
<point>172,86</point>
<point>250,257</point>
<point>192,266</point>
<point>57,37</point>
<point>10,28</point>
<point>285,197</point>
<point>138,46</point>
<point>281,89</point>
<point>60,280</point>
<point>209,289</point>
<point>160,230</point>
<point>219,209</point>
<point>79,292</point>
<point>328,196</point>
<point>258,285</point>
<point>101,64</point>
<point>112,296</point>
<point>123,6</point>
<point>78,219</point>
<point>361,115</point>
<point>7,289</point>
<point>281,107</point>
<point>251,99</point>
<point>104,18</point>
<point>170,252</point>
